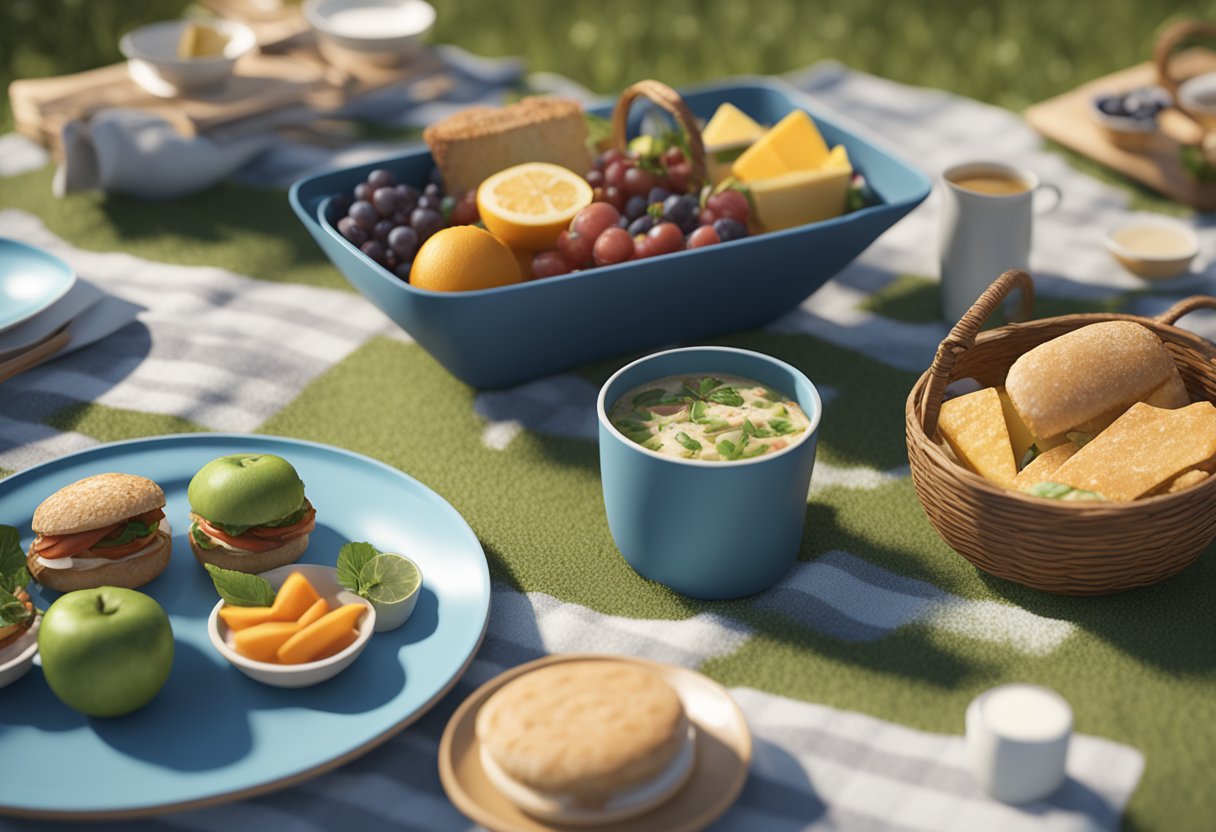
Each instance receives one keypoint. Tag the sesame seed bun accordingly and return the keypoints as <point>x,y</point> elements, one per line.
<point>584,730</point>
<point>251,562</point>
<point>95,502</point>
<point>130,574</point>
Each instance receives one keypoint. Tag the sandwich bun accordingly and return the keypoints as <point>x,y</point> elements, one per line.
<point>130,573</point>
<point>251,562</point>
<point>95,502</point>
<point>1085,379</point>
<point>586,741</point>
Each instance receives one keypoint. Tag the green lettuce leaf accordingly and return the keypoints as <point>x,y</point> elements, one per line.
<point>134,530</point>
<point>13,574</point>
<point>241,589</point>
<point>12,611</point>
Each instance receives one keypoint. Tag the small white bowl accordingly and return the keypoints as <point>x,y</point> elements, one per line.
<point>153,63</point>
<point>378,32</point>
<point>392,616</point>
<point>17,658</point>
<point>325,580</point>
<point>1146,264</point>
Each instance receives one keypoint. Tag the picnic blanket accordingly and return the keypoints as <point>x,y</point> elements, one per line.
<point>854,672</point>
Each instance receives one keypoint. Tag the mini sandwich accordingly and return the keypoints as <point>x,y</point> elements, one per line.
<point>105,530</point>
<point>586,741</point>
<point>248,512</point>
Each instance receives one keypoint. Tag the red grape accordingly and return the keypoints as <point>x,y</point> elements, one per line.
<point>575,248</point>
<point>678,177</point>
<point>549,264</point>
<point>664,238</point>
<point>703,236</point>
<point>613,246</point>
<point>616,197</point>
<point>707,216</point>
<point>638,182</point>
<point>614,175</point>
<point>608,157</point>
<point>673,156</point>
<point>465,212</point>
<point>595,178</point>
<point>595,219</point>
<point>731,204</point>
<point>641,246</point>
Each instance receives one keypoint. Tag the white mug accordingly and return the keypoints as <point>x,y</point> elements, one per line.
<point>982,234</point>
<point>1017,741</point>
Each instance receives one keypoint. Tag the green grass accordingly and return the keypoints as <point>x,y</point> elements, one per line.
<point>1008,52</point>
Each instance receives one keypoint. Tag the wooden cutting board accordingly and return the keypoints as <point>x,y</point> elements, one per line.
<point>1068,119</point>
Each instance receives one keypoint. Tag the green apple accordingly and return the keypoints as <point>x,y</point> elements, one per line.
<point>105,651</point>
<point>246,490</point>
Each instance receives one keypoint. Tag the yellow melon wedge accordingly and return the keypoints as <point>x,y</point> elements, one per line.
<point>314,613</point>
<point>240,618</point>
<point>262,642</point>
<point>294,598</point>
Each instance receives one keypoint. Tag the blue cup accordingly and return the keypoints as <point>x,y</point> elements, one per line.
<point>711,530</point>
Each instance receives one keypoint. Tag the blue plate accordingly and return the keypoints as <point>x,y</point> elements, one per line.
<point>30,280</point>
<point>212,734</point>
<point>504,336</point>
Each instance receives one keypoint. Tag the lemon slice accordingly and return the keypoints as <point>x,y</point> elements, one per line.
<point>528,205</point>
<point>389,579</point>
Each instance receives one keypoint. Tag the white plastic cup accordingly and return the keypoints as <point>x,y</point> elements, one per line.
<point>1017,741</point>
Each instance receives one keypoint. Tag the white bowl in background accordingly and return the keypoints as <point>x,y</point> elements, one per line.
<point>379,32</point>
<point>324,580</point>
<point>1147,264</point>
<point>17,658</point>
<point>153,63</point>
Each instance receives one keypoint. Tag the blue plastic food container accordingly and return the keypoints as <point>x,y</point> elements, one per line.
<point>711,530</point>
<point>508,335</point>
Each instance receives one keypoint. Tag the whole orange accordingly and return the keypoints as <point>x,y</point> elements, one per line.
<point>463,258</point>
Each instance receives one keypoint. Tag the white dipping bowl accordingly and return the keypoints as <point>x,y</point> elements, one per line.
<point>378,32</point>
<point>17,658</point>
<point>153,63</point>
<point>325,580</point>
<point>1148,265</point>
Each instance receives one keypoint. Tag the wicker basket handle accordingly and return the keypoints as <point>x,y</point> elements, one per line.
<point>670,100</point>
<point>962,338</point>
<point>1169,40</point>
<point>1185,306</point>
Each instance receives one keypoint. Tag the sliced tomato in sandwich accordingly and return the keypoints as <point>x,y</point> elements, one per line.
<point>246,541</point>
<point>56,546</point>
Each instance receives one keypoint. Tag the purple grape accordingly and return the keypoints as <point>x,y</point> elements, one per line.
<point>635,207</point>
<point>363,191</point>
<point>433,190</point>
<point>657,195</point>
<point>436,177</point>
<point>404,241</point>
<point>409,198</point>
<point>363,213</point>
<point>680,209</point>
<point>390,259</point>
<point>374,249</point>
<point>339,204</point>
<point>350,229</point>
<point>401,217</point>
<point>426,222</point>
<point>641,225</point>
<point>428,202</point>
<point>382,229</point>
<point>622,221</point>
<point>729,229</point>
<point>381,178</point>
<point>403,270</point>
<point>386,201</point>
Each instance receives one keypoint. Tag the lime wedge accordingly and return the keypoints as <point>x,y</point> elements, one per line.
<point>389,579</point>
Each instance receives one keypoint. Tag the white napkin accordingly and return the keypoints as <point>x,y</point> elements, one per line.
<point>89,313</point>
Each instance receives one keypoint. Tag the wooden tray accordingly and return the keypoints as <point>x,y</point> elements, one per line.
<point>1067,119</point>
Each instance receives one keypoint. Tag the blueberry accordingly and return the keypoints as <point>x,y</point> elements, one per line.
<point>635,207</point>
<point>363,213</point>
<point>641,225</point>
<point>381,178</point>
<point>622,221</point>
<point>1112,105</point>
<point>680,208</point>
<point>350,229</point>
<point>657,195</point>
<point>729,229</point>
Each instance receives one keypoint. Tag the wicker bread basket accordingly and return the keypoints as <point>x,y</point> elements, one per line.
<point>1064,548</point>
<point>667,99</point>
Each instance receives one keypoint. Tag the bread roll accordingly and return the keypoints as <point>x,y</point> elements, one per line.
<point>1085,379</point>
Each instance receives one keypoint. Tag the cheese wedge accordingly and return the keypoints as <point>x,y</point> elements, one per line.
<point>1043,466</point>
<point>793,144</point>
<point>201,41</point>
<point>800,197</point>
<point>974,427</point>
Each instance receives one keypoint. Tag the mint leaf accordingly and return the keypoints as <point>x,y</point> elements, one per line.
<point>699,412</point>
<point>780,426</point>
<point>239,588</point>
<point>13,574</point>
<point>352,557</point>
<point>750,429</point>
<point>727,396</point>
<point>707,385</point>
<point>13,610</point>
<point>688,442</point>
